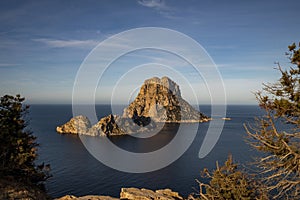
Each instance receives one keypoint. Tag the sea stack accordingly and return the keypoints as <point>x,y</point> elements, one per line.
<point>159,100</point>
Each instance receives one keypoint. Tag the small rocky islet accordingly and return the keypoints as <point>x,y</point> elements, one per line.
<point>158,101</point>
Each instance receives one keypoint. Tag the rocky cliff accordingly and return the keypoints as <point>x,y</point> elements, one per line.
<point>159,100</point>
<point>110,125</point>
<point>107,126</point>
<point>77,125</point>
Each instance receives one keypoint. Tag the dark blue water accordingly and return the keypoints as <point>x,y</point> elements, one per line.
<point>77,172</point>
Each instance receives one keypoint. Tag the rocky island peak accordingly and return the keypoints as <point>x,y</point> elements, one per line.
<point>158,100</point>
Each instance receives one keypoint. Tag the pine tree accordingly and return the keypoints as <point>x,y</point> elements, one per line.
<point>276,134</point>
<point>18,147</point>
<point>229,182</point>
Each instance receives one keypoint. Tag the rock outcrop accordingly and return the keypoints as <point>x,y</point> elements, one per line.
<point>77,125</point>
<point>89,197</point>
<point>136,124</point>
<point>132,194</point>
<point>107,126</point>
<point>145,194</point>
<point>110,125</point>
<point>159,100</point>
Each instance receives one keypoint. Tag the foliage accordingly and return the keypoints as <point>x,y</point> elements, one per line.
<point>228,182</point>
<point>18,148</point>
<point>277,133</point>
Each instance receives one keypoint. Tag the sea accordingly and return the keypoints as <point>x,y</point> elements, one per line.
<point>76,172</point>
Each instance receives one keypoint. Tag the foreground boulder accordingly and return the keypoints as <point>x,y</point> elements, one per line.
<point>89,197</point>
<point>145,194</point>
<point>132,194</point>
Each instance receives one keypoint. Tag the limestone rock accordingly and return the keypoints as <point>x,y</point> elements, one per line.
<point>135,124</point>
<point>132,194</point>
<point>170,193</point>
<point>145,194</point>
<point>89,197</point>
<point>110,125</point>
<point>107,126</point>
<point>160,99</point>
<point>77,125</point>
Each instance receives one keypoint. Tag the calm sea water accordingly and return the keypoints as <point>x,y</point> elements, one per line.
<point>77,172</point>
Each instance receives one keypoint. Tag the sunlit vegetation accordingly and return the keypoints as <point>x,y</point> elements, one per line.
<point>276,135</point>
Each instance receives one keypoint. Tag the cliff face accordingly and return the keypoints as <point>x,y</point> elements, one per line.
<point>160,99</point>
<point>107,126</point>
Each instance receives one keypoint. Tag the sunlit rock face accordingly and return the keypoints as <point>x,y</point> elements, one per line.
<point>77,125</point>
<point>132,194</point>
<point>160,99</point>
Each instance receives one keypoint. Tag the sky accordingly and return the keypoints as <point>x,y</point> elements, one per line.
<point>43,44</point>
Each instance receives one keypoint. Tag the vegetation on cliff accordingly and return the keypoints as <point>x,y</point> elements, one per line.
<point>18,150</point>
<point>277,133</point>
<point>277,136</point>
<point>230,182</point>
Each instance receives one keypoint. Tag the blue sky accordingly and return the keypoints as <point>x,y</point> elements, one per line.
<point>43,43</point>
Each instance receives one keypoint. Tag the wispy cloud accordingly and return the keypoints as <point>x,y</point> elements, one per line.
<point>161,7</point>
<point>156,4</point>
<point>9,64</point>
<point>54,43</point>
